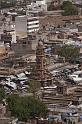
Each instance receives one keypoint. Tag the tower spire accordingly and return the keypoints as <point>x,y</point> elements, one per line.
<point>42,72</point>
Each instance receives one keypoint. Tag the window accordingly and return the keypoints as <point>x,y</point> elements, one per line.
<point>24,42</point>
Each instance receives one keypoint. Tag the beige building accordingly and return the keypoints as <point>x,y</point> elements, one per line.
<point>25,25</point>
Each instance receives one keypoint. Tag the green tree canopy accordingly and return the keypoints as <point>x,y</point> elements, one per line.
<point>25,108</point>
<point>69,52</point>
<point>69,8</point>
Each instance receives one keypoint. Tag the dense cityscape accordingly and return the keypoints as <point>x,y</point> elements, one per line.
<point>40,61</point>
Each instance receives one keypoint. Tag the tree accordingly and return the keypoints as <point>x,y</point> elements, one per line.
<point>69,8</point>
<point>34,86</point>
<point>2,94</point>
<point>69,52</point>
<point>25,108</point>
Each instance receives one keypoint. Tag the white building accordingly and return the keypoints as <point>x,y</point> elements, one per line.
<point>32,24</point>
<point>21,25</point>
<point>39,5</point>
<point>25,25</point>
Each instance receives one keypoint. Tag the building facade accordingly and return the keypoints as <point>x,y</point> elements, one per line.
<point>32,24</point>
<point>25,25</point>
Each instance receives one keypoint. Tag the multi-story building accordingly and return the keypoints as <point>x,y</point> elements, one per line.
<point>25,24</point>
<point>21,26</point>
<point>7,30</point>
<point>38,5</point>
<point>32,24</point>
